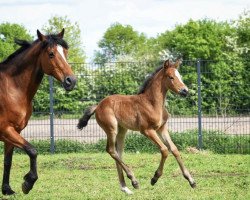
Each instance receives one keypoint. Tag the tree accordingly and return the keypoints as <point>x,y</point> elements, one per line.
<point>123,43</point>
<point>8,33</point>
<point>243,49</point>
<point>204,39</point>
<point>72,36</point>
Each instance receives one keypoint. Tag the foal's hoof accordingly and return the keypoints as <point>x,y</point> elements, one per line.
<point>6,190</point>
<point>26,188</point>
<point>153,181</point>
<point>135,184</point>
<point>193,185</point>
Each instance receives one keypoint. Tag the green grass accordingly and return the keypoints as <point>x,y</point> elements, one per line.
<point>93,176</point>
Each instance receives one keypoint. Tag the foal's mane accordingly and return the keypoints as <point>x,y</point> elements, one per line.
<point>51,40</point>
<point>148,80</point>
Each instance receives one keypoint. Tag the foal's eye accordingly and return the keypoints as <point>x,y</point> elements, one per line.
<point>51,54</point>
<point>171,78</point>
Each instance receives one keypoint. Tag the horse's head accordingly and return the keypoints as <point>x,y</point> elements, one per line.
<point>53,59</point>
<point>174,81</point>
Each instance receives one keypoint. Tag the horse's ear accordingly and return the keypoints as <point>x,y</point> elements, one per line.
<point>40,36</point>
<point>178,63</point>
<point>60,35</point>
<point>167,64</point>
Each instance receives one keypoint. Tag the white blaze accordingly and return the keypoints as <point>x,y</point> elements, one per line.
<point>177,74</point>
<point>60,50</point>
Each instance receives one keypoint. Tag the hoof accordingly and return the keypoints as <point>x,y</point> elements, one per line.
<point>193,185</point>
<point>135,184</point>
<point>153,181</point>
<point>25,188</point>
<point>7,191</point>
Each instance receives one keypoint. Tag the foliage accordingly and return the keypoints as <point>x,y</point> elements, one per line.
<point>72,36</point>
<point>214,141</point>
<point>243,49</point>
<point>204,39</point>
<point>8,33</point>
<point>123,43</point>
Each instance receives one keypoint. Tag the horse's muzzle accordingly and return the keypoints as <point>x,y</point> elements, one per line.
<point>183,92</point>
<point>69,83</point>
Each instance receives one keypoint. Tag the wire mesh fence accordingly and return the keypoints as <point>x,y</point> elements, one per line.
<point>219,114</point>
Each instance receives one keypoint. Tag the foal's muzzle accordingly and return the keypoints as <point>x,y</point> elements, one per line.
<point>69,83</point>
<point>183,92</point>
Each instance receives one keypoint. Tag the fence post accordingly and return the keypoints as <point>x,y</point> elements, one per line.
<point>199,105</point>
<point>51,113</point>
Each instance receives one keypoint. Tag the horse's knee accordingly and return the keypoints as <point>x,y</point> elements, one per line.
<point>111,152</point>
<point>31,151</point>
<point>164,152</point>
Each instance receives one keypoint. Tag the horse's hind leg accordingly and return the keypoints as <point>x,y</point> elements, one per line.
<point>119,148</point>
<point>14,138</point>
<point>166,137</point>
<point>111,140</point>
<point>8,153</point>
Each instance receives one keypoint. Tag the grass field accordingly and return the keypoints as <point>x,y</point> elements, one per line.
<point>94,176</point>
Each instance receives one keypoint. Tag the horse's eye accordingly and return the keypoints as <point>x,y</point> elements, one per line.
<point>171,78</point>
<point>51,54</point>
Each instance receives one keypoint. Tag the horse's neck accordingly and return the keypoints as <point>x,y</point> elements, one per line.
<point>156,91</point>
<point>27,74</point>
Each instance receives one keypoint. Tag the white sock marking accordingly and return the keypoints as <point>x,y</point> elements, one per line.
<point>126,190</point>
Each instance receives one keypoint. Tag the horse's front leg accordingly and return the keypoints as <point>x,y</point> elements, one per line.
<point>31,177</point>
<point>8,153</point>
<point>12,137</point>
<point>152,135</point>
<point>166,137</point>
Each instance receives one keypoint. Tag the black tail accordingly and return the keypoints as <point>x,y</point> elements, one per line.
<point>83,121</point>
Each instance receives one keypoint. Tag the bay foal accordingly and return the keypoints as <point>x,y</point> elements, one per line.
<point>144,112</point>
<point>20,76</point>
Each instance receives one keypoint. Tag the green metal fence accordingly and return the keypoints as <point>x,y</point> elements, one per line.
<point>218,107</point>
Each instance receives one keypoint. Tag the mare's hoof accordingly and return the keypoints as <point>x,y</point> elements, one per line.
<point>25,188</point>
<point>135,184</point>
<point>193,185</point>
<point>6,190</point>
<point>153,181</point>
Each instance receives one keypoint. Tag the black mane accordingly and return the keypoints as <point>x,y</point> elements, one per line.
<point>51,40</point>
<point>148,80</point>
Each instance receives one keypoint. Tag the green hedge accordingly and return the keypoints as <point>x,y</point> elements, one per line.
<point>216,142</point>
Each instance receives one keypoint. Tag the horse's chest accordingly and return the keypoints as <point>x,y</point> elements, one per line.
<point>19,117</point>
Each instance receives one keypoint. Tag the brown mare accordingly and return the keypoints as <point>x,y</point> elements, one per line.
<point>144,112</point>
<point>20,76</point>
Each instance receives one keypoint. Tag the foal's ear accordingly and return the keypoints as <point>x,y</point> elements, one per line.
<point>177,63</point>
<point>60,35</point>
<point>40,36</point>
<point>167,64</point>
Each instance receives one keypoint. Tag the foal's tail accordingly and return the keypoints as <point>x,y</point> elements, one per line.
<point>83,121</point>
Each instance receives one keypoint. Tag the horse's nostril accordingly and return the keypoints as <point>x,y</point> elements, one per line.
<point>68,81</point>
<point>183,92</point>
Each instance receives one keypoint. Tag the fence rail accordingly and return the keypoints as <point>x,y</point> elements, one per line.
<point>217,103</point>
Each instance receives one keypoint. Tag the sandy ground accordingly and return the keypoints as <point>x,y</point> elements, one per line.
<point>66,128</point>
